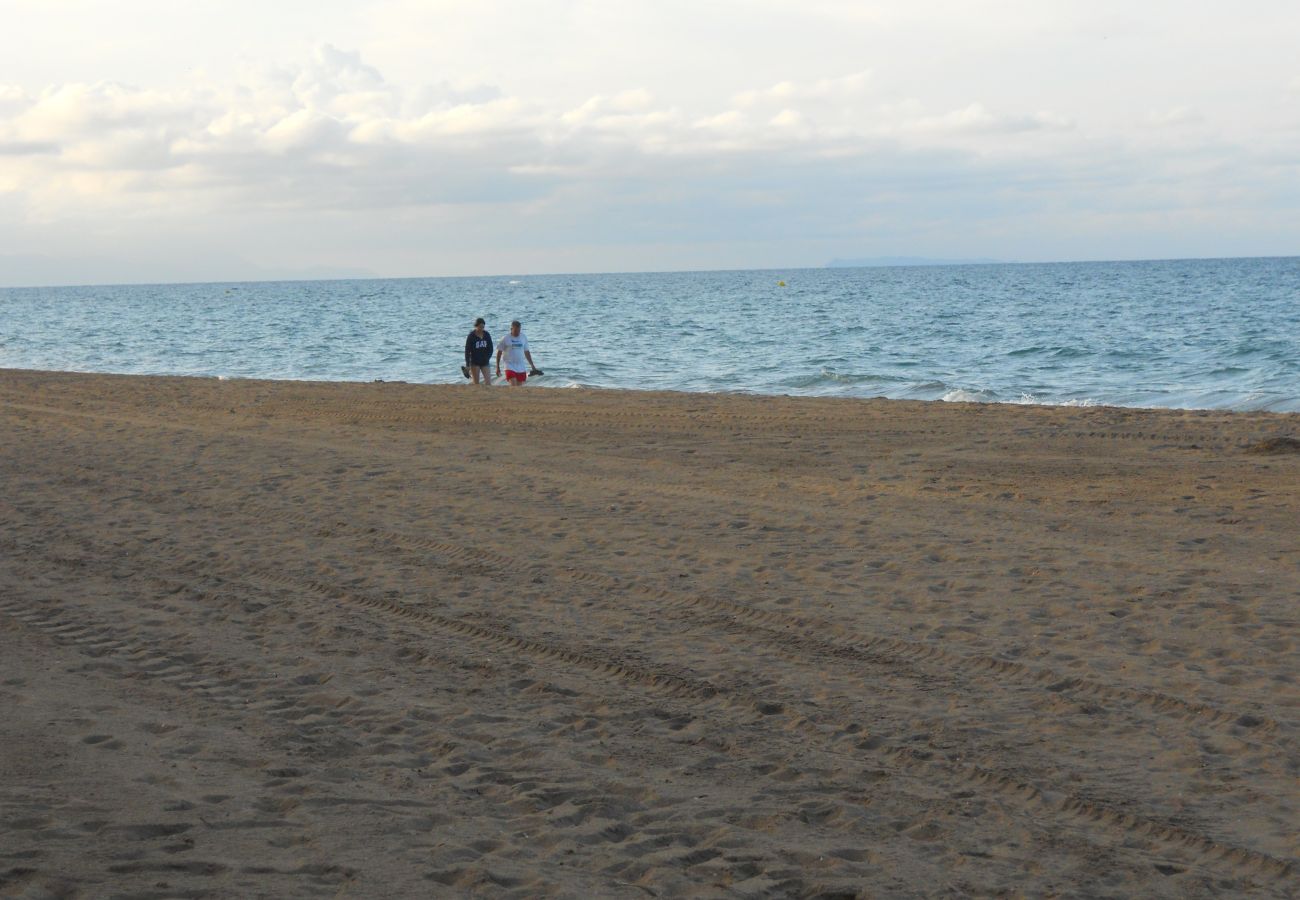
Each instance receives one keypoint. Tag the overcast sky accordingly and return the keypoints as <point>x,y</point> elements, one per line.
<point>155,140</point>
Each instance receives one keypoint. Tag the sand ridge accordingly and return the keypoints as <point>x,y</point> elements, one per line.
<point>578,643</point>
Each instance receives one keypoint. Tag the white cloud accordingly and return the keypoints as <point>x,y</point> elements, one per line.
<point>786,118</point>
<point>1175,117</point>
<point>305,130</point>
<point>846,88</point>
<point>12,97</point>
<point>730,121</point>
<point>333,132</point>
<point>976,119</point>
<point>74,112</point>
<point>333,128</point>
<point>633,101</point>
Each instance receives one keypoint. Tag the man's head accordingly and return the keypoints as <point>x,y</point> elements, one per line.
<point>478,324</point>
<point>514,327</point>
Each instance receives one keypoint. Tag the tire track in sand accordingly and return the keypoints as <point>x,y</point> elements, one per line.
<point>813,633</point>
<point>1204,850</point>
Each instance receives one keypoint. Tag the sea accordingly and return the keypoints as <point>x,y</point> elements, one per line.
<point>1185,334</point>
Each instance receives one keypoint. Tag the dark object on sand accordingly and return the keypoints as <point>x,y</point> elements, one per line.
<point>1282,444</point>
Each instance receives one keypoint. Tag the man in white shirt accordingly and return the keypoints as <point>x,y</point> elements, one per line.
<point>514,347</point>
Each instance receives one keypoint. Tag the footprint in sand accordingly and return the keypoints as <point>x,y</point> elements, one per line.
<point>103,741</point>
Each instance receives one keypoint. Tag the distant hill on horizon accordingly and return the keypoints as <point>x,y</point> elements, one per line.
<point>879,261</point>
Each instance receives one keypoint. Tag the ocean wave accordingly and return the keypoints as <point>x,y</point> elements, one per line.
<point>831,377</point>
<point>961,395</point>
<point>1048,350</point>
<point>1031,400</point>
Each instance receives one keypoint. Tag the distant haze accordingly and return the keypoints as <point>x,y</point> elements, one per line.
<point>148,140</point>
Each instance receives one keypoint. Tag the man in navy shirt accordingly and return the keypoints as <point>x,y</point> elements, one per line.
<point>478,353</point>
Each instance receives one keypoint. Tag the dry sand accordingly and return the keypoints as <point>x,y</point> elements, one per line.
<point>378,640</point>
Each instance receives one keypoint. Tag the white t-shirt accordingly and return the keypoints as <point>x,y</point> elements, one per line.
<point>513,350</point>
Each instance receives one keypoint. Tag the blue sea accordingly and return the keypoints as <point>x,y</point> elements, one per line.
<point>1212,334</point>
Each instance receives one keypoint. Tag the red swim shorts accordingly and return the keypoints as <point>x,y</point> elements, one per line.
<point>520,377</point>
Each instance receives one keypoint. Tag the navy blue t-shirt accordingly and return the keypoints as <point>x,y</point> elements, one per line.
<point>478,350</point>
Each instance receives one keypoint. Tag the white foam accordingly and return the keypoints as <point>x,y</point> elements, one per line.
<point>1031,400</point>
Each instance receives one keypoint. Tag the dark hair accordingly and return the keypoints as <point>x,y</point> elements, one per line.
<point>515,323</point>
<point>478,322</point>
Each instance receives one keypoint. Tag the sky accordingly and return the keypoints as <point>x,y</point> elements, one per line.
<point>155,140</point>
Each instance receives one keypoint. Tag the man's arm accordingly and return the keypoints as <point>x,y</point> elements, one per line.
<point>528,356</point>
<point>500,350</point>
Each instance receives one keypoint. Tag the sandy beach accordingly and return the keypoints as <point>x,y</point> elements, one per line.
<point>278,639</point>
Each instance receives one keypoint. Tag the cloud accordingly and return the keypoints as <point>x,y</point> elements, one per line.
<point>848,87</point>
<point>330,138</point>
<point>74,112</point>
<point>27,148</point>
<point>976,119</point>
<point>331,132</point>
<point>12,98</point>
<point>1174,118</point>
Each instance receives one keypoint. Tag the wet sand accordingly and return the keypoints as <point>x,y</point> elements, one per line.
<point>376,640</point>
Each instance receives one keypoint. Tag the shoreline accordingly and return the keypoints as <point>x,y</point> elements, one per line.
<point>1063,405</point>
<point>282,638</point>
